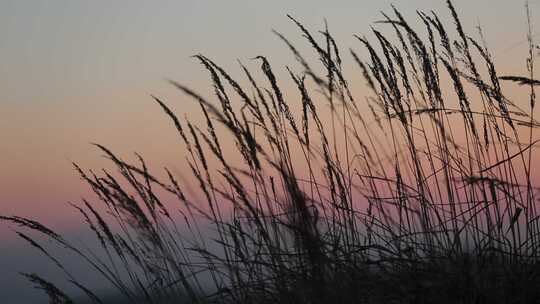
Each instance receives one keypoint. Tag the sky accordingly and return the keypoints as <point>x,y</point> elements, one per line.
<point>77,72</point>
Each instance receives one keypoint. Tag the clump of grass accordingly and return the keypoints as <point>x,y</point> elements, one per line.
<point>419,191</point>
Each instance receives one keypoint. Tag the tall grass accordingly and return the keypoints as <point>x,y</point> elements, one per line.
<point>419,190</point>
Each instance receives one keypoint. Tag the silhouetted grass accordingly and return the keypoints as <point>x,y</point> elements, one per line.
<point>421,190</point>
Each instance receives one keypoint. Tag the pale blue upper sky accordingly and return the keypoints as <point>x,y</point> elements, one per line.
<point>60,49</point>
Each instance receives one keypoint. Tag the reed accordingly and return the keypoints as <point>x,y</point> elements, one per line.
<point>419,190</point>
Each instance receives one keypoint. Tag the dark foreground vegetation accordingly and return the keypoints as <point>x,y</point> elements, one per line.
<point>420,190</point>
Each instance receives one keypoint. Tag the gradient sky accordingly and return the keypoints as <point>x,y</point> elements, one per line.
<point>75,72</point>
